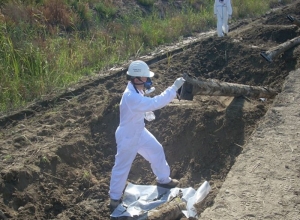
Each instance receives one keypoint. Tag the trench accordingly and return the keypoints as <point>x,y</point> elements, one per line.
<point>201,138</point>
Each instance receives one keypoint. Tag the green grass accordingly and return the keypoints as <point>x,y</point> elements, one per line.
<point>250,8</point>
<point>47,45</point>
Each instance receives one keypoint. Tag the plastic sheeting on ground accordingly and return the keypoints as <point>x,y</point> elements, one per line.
<point>139,199</point>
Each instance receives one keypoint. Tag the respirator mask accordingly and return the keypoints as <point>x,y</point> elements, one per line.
<point>147,85</point>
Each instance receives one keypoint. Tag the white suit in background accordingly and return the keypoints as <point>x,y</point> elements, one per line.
<point>223,11</point>
<point>131,135</point>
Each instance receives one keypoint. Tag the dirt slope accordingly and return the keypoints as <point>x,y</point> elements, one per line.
<point>264,181</point>
<point>56,159</point>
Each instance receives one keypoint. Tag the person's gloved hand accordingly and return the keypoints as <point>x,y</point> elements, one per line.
<point>179,82</point>
<point>229,17</point>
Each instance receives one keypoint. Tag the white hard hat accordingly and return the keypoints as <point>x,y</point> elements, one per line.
<point>139,68</point>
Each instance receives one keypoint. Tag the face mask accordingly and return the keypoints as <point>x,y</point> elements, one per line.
<point>148,83</point>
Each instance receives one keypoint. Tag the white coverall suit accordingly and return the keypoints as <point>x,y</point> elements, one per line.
<point>222,9</point>
<point>132,137</point>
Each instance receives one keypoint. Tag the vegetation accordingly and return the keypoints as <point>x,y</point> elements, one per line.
<point>47,45</point>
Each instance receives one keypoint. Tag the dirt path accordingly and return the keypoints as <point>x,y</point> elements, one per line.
<point>56,157</point>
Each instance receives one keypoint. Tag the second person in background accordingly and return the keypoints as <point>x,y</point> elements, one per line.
<point>223,12</point>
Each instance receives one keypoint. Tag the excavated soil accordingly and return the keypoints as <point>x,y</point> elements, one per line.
<point>57,155</point>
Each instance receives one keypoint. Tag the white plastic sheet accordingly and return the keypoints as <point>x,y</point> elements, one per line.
<point>139,199</point>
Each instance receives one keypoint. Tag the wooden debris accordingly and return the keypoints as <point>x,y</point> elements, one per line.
<point>194,86</point>
<point>275,51</point>
<point>167,211</point>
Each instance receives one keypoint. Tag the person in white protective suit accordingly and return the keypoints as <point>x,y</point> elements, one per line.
<point>223,12</point>
<point>131,135</point>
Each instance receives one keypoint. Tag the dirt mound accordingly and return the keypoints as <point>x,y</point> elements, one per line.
<point>56,163</point>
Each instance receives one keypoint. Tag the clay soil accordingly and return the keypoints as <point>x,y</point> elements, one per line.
<point>57,154</point>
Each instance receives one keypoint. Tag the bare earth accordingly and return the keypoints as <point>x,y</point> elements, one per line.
<point>57,155</point>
